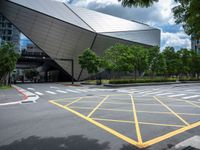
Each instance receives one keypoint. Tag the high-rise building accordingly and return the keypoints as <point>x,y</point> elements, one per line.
<point>8,32</point>
<point>195,44</point>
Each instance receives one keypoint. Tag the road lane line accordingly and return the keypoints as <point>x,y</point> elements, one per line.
<point>90,114</point>
<point>139,137</point>
<point>176,95</point>
<point>60,91</point>
<point>171,110</point>
<point>38,93</point>
<point>50,92</point>
<point>193,96</point>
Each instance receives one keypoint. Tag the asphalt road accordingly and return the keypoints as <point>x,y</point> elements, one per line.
<point>94,117</point>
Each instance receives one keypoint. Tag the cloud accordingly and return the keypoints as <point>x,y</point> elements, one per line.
<point>177,40</point>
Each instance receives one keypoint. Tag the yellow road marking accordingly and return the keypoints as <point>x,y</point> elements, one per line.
<point>113,120</point>
<point>171,110</point>
<point>90,114</point>
<point>195,105</point>
<point>96,96</point>
<point>139,137</point>
<point>74,102</point>
<point>119,135</point>
<point>145,123</point>
<point>139,111</point>
<point>171,134</point>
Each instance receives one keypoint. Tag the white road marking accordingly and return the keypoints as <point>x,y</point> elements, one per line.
<point>54,87</point>
<point>60,91</point>
<point>50,92</point>
<point>144,92</point>
<point>193,96</point>
<point>38,93</point>
<point>190,90</point>
<point>152,93</point>
<point>163,94</point>
<point>125,91</point>
<point>32,89</point>
<point>81,90</point>
<point>176,95</point>
<point>72,91</point>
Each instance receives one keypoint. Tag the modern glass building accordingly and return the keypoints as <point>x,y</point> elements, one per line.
<point>63,31</point>
<point>9,33</point>
<point>195,44</point>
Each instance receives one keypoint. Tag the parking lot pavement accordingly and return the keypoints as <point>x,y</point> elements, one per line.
<point>138,120</point>
<point>129,118</point>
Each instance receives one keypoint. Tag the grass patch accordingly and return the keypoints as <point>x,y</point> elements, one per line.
<point>5,87</point>
<point>95,81</point>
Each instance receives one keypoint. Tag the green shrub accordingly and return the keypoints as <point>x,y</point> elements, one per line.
<point>126,81</point>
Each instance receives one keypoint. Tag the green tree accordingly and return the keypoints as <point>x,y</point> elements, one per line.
<point>172,61</point>
<point>185,59</point>
<point>89,61</point>
<point>153,55</point>
<point>140,59</point>
<point>8,59</point>
<point>118,58</point>
<point>195,64</point>
<point>136,3</point>
<point>188,14</point>
<point>30,74</point>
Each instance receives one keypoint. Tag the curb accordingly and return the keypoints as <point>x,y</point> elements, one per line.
<point>149,84</point>
<point>27,97</point>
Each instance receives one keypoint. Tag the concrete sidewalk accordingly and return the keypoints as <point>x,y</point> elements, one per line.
<point>10,95</point>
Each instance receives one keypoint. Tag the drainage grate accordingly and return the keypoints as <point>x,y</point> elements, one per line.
<point>27,102</point>
<point>190,148</point>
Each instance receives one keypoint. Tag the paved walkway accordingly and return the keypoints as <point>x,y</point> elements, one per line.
<point>10,95</point>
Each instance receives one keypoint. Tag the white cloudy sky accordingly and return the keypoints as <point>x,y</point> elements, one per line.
<point>159,15</point>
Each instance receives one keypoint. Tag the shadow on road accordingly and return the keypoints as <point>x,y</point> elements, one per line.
<point>77,142</point>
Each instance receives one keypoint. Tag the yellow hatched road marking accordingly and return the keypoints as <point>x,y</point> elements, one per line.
<point>139,111</point>
<point>136,121</point>
<point>171,134</point>
<point>113,120</point>
<point>195,105</point>
<point>145,123</point>
<point>73,102</point>
<point>171,110</point>
<point>119,135</point>
<point>90,114</point>
<point>61,99</point>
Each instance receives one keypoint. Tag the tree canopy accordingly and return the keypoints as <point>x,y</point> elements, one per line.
<point>89,61</point>
<point>8,59</point>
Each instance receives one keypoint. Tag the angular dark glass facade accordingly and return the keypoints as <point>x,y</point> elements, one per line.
<point>63,31</point>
